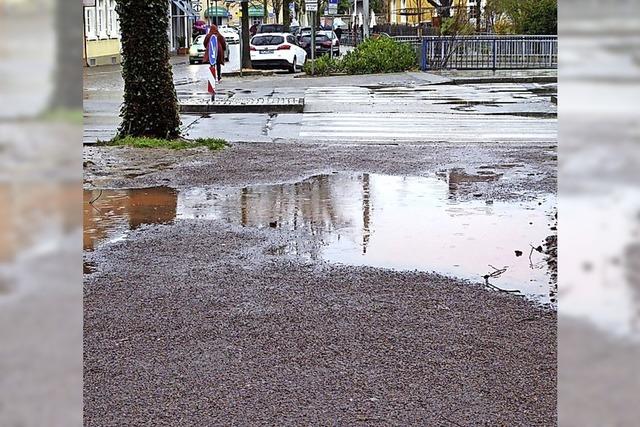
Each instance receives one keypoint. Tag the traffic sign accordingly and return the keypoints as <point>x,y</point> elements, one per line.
<point>311,6</point>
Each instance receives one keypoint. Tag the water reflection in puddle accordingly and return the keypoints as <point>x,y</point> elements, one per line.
<point>113,213</point>
<point>362,219</point>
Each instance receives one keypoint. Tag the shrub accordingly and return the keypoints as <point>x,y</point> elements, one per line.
<point>540,17</point>
<point>374,55</point>
<point>382,55</point>
<point>323,65</point>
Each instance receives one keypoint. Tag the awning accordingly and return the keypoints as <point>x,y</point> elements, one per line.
<point>256,11</point>
<point>218,11</point>
<point>186,8</point>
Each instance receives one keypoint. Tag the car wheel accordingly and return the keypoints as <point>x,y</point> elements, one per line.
<point>294,66</point>
<point>191,61</point>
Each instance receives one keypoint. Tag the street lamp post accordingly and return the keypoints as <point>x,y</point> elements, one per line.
<point>216,12</point>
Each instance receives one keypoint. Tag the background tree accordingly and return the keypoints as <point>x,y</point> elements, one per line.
<point>150,105</point>
<point>286,14</point>
<point>277,6</point>
<point>343,7</point>
<point>442,6</point>
<point>523,16</point>
<point>246,53</point>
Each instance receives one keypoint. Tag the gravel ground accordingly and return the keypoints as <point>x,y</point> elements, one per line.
<point>527,170</point>
<point>213,331</point>
<point>203,323</point>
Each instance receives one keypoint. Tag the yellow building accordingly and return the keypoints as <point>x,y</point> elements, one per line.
<point>413,12</point>
<point>101,33</point>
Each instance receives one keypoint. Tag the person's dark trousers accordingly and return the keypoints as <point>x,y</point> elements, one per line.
<point>218,70</point>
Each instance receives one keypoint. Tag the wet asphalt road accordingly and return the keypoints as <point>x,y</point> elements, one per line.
<point>412,107</point>
<point>203,322</point>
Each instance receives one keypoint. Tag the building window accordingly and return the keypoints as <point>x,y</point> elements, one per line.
<point>101,19</point>
<point>90,22</point>
<point>113,28</point>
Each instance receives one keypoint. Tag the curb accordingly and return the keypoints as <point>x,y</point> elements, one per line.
<point>254,106</point>
<point>485,80</point>
<point>249,73</point>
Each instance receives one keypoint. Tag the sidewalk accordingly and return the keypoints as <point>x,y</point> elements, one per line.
<point>497,76</point>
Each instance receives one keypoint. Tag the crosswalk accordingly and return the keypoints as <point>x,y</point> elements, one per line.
<point>420,116</point>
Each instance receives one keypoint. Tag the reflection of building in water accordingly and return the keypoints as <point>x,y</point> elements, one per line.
<point>366,212</point>
<point>315,205</point>
<point>457,177</point>
<point>116,211</point>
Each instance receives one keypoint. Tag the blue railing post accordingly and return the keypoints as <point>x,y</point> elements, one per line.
<point>425,50</point>
<point>495,53</point>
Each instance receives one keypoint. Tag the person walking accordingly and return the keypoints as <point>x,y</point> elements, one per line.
<point>338,32</point>
<point>221,49</point>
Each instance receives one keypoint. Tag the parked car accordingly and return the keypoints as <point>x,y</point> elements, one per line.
<point>335,42</point>
<point>196,51</point>
<point>271,28</point>
<point>277,51</point>
<point>230,35</point>
<point>323,45</point>
<point>303,31</point>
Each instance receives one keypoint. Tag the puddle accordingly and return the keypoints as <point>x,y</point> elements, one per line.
<point>361,219</point>
<point>114,213</point>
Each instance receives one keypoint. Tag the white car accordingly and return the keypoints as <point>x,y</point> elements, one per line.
<point>277,51</point>
<point>196,51</point>
<point>230,35</point>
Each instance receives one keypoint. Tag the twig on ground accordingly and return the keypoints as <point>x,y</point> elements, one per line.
<point>497,272</point>
<point>92,201</point>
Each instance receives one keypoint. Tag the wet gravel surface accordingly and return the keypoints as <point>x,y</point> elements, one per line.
<point>194,324</point>
<point>525,170</point>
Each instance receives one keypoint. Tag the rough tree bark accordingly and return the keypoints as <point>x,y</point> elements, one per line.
<point>246,53</point>
<point>286,17</point>
<point>150,105</point>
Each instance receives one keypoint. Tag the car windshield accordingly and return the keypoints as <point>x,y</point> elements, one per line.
<point>267,40</point>
<point>271,28</point>
<point>199,40</point>
<point>321,38</point>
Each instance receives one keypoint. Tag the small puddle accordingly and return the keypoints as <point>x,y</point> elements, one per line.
<point>386,221</point>
<point>113,213</point>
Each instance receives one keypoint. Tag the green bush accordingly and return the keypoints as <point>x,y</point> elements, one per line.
<point>323,65</point>
<point>374,55</point>
<point>382,55</point>
<point>540,17</point>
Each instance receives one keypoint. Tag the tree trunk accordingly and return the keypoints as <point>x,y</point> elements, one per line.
<point>286,17</point>
<point>150,105</point>
<point>246,53</point>
<point>68,93</point>
<point>265,11</point>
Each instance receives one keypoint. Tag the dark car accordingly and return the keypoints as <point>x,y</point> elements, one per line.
<point>302,31</point>
<point>271,28</point>
<point>323,44</point>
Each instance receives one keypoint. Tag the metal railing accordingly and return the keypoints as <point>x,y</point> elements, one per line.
<point>489,52</point>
